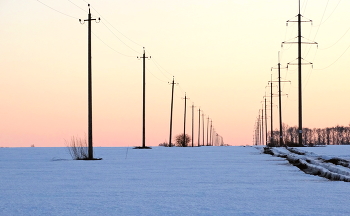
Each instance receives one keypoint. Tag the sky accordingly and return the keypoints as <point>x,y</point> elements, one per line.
<point>220,53</point>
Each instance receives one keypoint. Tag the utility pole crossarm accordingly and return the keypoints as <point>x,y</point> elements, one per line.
<point>301,63</point>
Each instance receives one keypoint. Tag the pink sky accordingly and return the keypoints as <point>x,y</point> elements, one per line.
<point>220,53</point>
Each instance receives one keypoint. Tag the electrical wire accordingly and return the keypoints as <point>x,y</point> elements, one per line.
<point>324,12</point>
<point>161,66</point>
<point>118,37</point>
<point>57,10</point>
<point>331,13</point>
<point>105,20</point>
<point>308,76</point>
<point>156,76</point>
<point>304,6</point>
<point>337,40</point>
<point>183,91</point>
<point>335,60</point>
<point>115,28</point>
<point>110,46</point>
<point>78,6</point>
<point>160,70</point>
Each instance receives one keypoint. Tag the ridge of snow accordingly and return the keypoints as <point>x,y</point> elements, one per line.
<point>311,163</point>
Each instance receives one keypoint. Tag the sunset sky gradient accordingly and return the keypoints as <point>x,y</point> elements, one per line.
<point>219,51</point>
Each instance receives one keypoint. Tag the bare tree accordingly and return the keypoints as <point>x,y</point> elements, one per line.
<point>182,141</point>
<point>338,135</point>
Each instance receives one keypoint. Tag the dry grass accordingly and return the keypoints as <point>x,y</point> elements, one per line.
<point>78,148</point>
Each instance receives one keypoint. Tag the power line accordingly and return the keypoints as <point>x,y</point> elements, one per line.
<point>304,6</point>
<point>308,76</point>
<point>337,40</point>
<point>110,46</point>
<point>159,68</point>
<point>77,6</point>
<point>116,28</point>
<point>331,13</point>
<point>324,12</point>
<point>335,60</point>
<point>156,76</point>
<point>57,10</point>
<point>118,37</point>
<point>181,88</point>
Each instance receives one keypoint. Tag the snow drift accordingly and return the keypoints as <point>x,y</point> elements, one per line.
<point>336,169</point>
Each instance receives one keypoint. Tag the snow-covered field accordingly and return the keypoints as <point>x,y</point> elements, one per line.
<point>166,181</point>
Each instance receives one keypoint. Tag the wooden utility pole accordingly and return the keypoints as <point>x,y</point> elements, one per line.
<point>300,110</point>
<point>265,121</point>
<point>203,127</point>
<point>211,128</point>
<point>192,122</point>
<point>90,141</point>
<point>262,126</point>
<point>281,143</point>
<point>271,139</point>
<point>280,101</point>
<point>171,111</point>
<point>144,102</point>
<point>259,128</point>
<point>184,144</point>
<point>299,42</point>
<point>199,127</point>
<point>207,130</point>
<point>212,141</point>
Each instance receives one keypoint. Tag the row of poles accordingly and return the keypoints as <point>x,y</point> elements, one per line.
<point>212,130</point>
<point>90,138</point>
<point>258,136</point>
<point>210,134</point>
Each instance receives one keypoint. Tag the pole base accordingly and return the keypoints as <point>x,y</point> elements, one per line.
<point>141,147</point>
<point>90,159</point>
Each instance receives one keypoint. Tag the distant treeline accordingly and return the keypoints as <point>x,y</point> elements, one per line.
<point>338,135</point>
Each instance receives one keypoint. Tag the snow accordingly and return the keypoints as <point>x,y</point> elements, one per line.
<point>166,181</point>
<point>330,151</point>
<point>333,168</point>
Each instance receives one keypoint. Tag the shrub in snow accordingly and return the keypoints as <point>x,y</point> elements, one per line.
<point>165,144</point>
<point>182,141</point>
<point>78,148</point>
